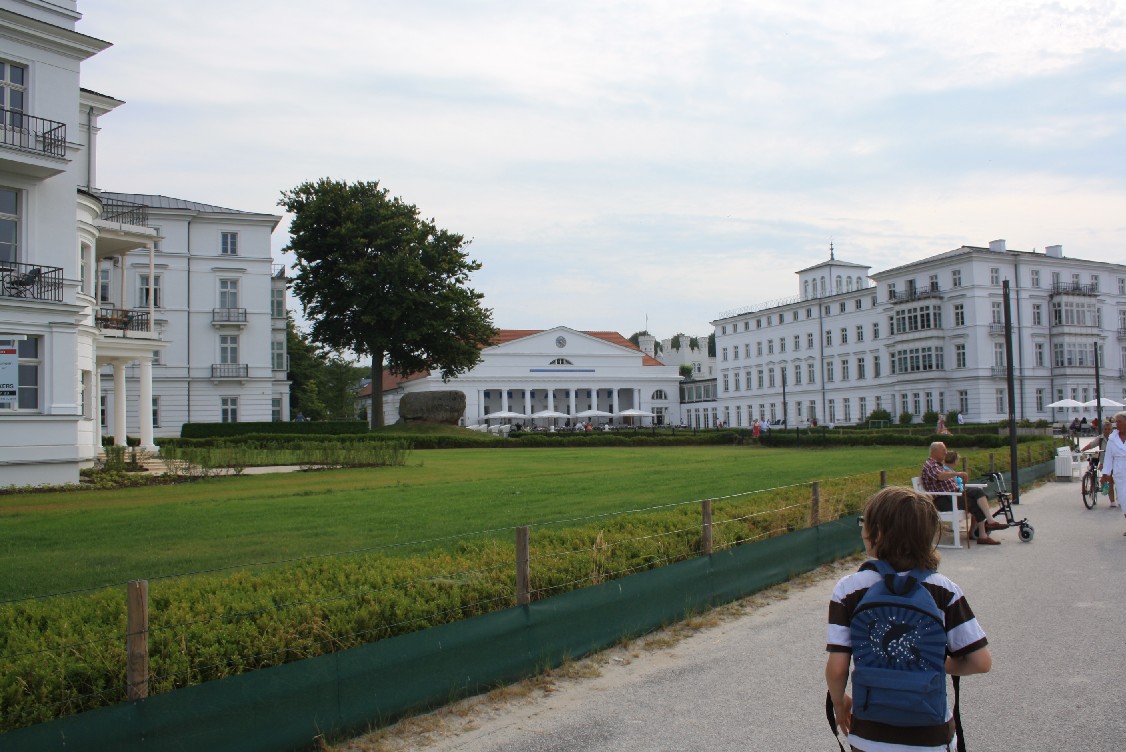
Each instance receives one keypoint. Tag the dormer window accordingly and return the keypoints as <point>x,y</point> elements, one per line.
<point>561,362</point>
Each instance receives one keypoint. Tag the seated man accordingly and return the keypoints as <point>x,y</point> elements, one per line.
<point>936,478</point>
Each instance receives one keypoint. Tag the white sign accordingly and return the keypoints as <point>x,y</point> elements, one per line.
<point>9,375</point>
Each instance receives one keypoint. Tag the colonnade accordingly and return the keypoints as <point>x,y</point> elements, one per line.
<point>574,399</point>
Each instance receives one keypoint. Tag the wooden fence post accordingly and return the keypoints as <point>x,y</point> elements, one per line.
<point>137,639</point>
<point>815,505</point>
<point>523,568</point>
<point>706,532</point>
<point>883,479</point>
<point>992,464</point>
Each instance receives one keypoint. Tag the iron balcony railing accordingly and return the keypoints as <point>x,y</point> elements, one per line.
<point>123,319</point>
<point>1000,372</point>
<point>1074,288</point>
<point>906,296</point>
<point>229,370</point>
<point>31,281</point>
<point>228,315</point>
<point>997,328</point>
<point>279,270</point>
<point>124,212</point>
<point>29,133</point>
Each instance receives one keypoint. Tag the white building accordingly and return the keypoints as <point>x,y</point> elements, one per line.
<point>560,370</point>
<point>218,302</point>
<point>927,336</point>
<point>77,319</point>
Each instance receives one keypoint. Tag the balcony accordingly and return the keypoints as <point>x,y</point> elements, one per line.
<point>908,296</point>
<point>1073,288</point>
<point>31,282</point>
<point>997,328</point>
<point>228,316</point>
<point>999,372</point>
<point>33,134</point>
<point>122,319</point>
<point>230,370</point>
<point>124,212</point>
<point>1122,334</point>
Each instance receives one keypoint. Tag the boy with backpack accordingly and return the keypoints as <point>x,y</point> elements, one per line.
<point>905,627</point>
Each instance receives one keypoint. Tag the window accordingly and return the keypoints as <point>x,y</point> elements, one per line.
<point>770,347</point>
<point>277,302</point>
<point>659,394</point>
<point>770,377</point>
<point>914,359</point>
<point>758,349</point>
<point>812,412</point>
<point>726,383</point>
<point>747,350</point>
<point>875,330</point>
<point>1039,400</point>
<point>781,344</point>
<point>736,381</point>
<point>1037,314</point>
<point>13,91</point>
<point>1094,283</point>
<point>9,224</point>
<point>797,342</point>
<point>1001,400</point>
<point>228,243</point>
<point>829,371</point>
<point>859,333</point>
<point>156,357</point>
<point>999,354</point>
<point>276,409</point>
<point>998,314</point>
<point>917,318</point>
<point>844,335</point>
<point>994,276</point>
<point>861,369</point>
<point>103,285</point>
<point>841,307</point>
<point>228,409</point>
<point>832,407</point>
<point>1055,279</point>
<point>847,410</point>
<point>959,356</point>
<point>735,353</point>
<point>828,338</point>
<point>102,410</point>
<point>916,403</point>
<point>228,348</point>
<point>863,407</point>
<point>1122,285</point>
<point>277,355</point>
<point>964,402</point>
<point>1040,354</point>
<point>797,375</point>
<point>809,340</point>
<point>844,370</point>
<point>1035,277</point>
<point>560,362</point>
<point>759,378</point>
<point>725,353</point>
<point>859,304</point>
<point>143,291</point>
<point>19,369</point>
<point>956,278</point>
<point>228,293</point>
<point>811,372</point>
<point>876,366</point>
<point>156,412</point>
<point>959,314</point>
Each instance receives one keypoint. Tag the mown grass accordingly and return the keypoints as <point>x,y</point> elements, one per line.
<point>57,542</point>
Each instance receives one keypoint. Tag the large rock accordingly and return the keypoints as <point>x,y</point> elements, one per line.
<point>432,407</point>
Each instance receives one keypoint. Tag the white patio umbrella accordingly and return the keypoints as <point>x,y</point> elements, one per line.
<point>1066,403</point>
<point>549,415</point>
<point>1104,402</point>
<point>594,414</point>
<point>505,414</point>
<point>633,412</point>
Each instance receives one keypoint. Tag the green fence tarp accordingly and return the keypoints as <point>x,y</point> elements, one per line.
<point>287,707</point>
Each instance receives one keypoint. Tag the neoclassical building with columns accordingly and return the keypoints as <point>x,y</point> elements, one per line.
<point>559,370</point>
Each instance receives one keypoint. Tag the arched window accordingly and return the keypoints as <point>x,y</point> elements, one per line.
<point>561,362</point>
<point>839,287</point>
<point>848,284</point>
<point>822,285</point>
<point>859,283</point>
<point>659,395</point>
<point>806,296</point>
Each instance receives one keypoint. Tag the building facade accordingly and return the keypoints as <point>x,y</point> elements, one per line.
<point>219,304</point>
<point>86,293</point>
<point>557,370</point>
<point>927,336</point>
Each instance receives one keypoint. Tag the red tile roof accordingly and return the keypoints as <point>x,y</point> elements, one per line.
<point>392,381</point>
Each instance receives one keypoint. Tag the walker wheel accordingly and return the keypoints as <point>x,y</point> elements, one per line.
<point>1026,533</point>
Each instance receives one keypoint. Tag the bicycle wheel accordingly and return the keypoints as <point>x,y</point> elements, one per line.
<point>1090,490</point>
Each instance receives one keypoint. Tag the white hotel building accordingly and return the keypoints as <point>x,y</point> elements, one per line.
<point>928,335</point>
<point>88,307</point>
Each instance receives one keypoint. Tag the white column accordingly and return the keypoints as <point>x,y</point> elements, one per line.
<point>527,401</point>
<point>96,388</point>
<point>121,296</point>
<point>144,405</point>
<point>504,399</point>
<point>119,403</point>
<point>614,400</point>
<point>571,400</point>
<point>551,398</point>
<point>152,323</point>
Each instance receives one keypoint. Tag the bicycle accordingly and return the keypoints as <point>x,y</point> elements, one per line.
<point>1091,482</point>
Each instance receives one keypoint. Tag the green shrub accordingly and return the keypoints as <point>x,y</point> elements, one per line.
<point>905,418</point>
<point>930,418</point>
<point>206,430</point>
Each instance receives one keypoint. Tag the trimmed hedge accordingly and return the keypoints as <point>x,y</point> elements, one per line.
<point>817,438</point>
<point>305,428</point>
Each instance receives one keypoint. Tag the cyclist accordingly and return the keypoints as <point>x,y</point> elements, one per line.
<point>1100,442</point>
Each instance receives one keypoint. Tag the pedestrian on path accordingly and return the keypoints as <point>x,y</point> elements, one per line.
<point>1114,458</point>
<point>899,528</point>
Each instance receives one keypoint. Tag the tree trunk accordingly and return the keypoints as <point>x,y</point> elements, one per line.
<point>376,417</point>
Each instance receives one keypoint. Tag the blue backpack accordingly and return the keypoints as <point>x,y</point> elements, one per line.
<point>899,652</point>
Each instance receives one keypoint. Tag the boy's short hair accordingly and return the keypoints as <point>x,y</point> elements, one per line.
<point>951,456</point>
<point>903,526</point>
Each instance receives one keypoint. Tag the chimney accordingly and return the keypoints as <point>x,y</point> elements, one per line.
<point>1055,251</point>
<point>997,245</point>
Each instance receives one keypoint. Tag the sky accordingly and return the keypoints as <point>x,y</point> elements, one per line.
<point>638,165</point>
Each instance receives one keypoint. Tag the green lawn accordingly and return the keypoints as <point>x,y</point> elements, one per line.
<point>62,541</point>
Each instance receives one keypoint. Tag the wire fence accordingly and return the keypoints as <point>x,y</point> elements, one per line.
<point>68,652</point>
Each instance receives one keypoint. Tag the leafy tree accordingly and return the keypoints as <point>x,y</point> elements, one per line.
<point>375,278</point>
<point>685,370</point>
<point>675,343</point>
<point>635,338</point>
<point>304,367</point>
<point>711,345</point>
<point>337,382</point>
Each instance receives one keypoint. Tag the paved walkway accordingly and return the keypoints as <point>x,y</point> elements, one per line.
<point>1053,609</point>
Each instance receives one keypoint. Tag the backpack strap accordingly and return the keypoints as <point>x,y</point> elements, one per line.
<point>833,721</point>
<point>958,714</point>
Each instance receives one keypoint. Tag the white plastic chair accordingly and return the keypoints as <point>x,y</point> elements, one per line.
<point>959,519</point>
